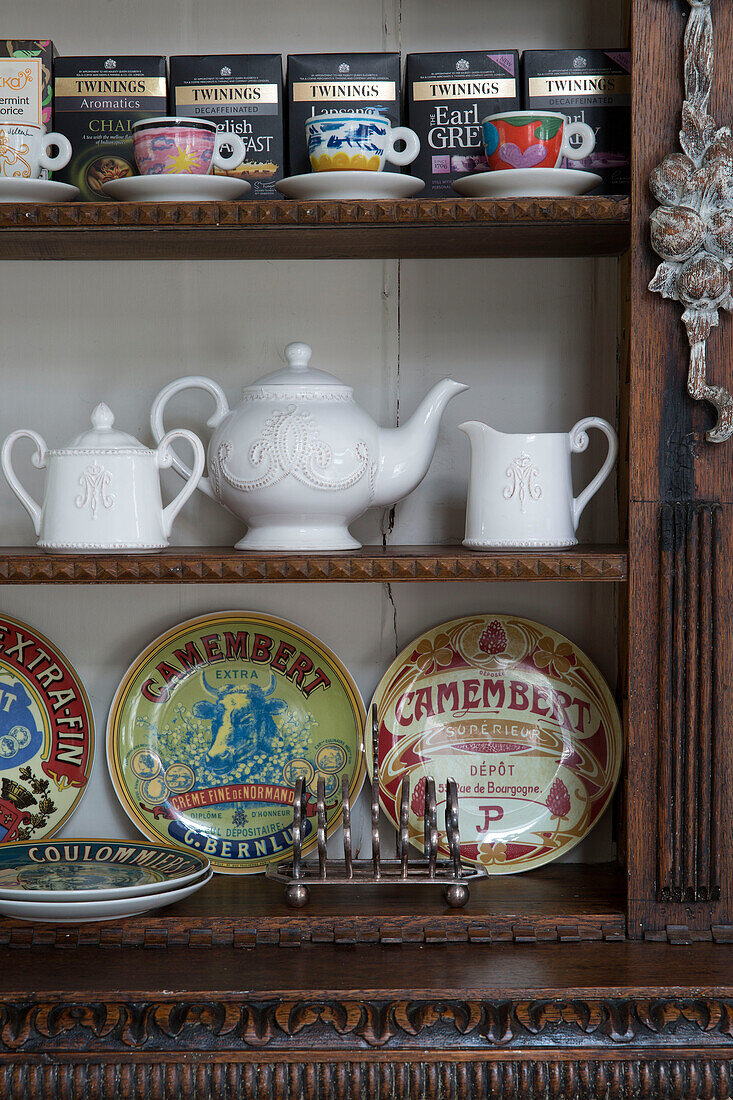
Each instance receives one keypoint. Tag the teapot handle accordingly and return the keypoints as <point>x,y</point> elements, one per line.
<point>194,381</point>
<point>38,460</point>
<point>578,436</point>
<point>165,457</point>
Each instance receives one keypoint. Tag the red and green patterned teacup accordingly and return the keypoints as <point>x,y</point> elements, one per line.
<point>534,139</point>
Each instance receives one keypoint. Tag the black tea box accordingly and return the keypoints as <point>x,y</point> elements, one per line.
<point>448,94</point>
<point>242,94</point>
<point>591,86</point>
<point>352,83</point>
<point>97,99</point>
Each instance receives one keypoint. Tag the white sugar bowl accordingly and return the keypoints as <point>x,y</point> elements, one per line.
<point>103,489</point>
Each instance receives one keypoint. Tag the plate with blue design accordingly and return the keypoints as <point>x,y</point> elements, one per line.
<point>83,870</point>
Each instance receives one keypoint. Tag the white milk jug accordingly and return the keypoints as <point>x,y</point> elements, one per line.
<point>521,487</point>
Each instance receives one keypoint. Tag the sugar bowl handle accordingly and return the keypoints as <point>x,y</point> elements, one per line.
<point>578,437</point>
<point>165,458</point>
<point>194,381</point>
<point>39,461</point>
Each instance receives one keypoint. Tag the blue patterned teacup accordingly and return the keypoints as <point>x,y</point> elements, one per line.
<point>357,142</point>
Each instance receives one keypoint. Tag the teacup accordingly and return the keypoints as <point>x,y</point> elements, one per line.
<point>171,145</point>
<point>534,139</point>
<point>357,142</point>
<point>24,151</point>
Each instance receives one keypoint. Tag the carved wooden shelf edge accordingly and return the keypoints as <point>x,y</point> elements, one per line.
<point>692,230</point>
<point>264,214</point>
<point>22,565</point>
<point>244,935</point>
<point>427,1074</point>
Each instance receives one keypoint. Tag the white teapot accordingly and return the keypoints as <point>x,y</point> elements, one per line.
<point>102,490</point>
<point>298,460</point>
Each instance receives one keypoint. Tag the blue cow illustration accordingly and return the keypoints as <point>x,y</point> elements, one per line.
<point>20,739</point>
<point>242,722</point>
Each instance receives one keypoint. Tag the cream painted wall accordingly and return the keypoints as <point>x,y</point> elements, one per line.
<point>535,340</point>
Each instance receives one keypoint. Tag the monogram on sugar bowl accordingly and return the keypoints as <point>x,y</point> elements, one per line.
<point>102,489</point>
<point>298,460</point>
<point>521,487</point>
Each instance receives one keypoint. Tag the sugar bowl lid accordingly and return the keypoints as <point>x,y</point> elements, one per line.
<point>103,436</point>
<point>298,374</point>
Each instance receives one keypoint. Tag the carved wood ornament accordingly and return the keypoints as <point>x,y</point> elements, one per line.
<point>692,230</point>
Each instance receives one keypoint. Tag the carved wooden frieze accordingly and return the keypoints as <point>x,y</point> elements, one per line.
<point>238,1026</point>
<point>692,230</point>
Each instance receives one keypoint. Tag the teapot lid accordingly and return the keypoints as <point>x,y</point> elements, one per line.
<point>103,436</point>
<point>299,374</point>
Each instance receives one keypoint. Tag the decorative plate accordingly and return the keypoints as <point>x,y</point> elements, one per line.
<point>524,722</point>
<point>82,912</point>
<point>214,722</point>
<point>98,870</point>
<point>46,735</point>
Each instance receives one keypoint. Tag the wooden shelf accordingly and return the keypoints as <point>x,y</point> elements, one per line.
<point>194,564</point>
<point>564,903</point>
<point>412,228</point>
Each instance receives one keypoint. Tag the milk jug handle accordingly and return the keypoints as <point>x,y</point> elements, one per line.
<point>578,437</point>
<point>38,460</point>
<point>194,381</point>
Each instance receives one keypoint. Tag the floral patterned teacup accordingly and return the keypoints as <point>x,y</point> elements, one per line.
<point>534,139</point>
<point>24,151</point>
<point>171,146</point>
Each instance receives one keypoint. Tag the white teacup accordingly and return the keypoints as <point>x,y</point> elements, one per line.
<point>24,151</point>
<point>357,143</point>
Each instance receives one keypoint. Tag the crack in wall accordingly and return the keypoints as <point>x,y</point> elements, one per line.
<point>390,597</point>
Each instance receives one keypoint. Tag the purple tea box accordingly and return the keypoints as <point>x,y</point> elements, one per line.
<point>26,83</point>
<point>591,86</point>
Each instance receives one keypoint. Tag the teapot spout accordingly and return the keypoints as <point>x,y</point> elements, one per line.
<point>405,453</point>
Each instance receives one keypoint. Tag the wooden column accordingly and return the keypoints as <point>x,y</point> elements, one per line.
<point>679,825</point>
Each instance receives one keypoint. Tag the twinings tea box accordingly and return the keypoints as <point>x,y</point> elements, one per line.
<point>26,87</point>
<point>97,99</point>
<point>242,94</point>
<point>319,84</point>
<point>592,86</point>
<point>447,96</point>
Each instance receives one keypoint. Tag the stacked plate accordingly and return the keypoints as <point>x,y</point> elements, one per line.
<point>76,881</point>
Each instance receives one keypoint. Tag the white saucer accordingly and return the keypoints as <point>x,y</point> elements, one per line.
<point>526,183</point>
<point>20,190</point>
<point>350,185</point>
<point>177,187</point>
